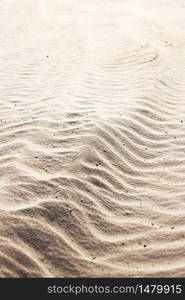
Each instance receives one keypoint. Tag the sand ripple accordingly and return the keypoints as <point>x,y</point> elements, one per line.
<point>92,139</point>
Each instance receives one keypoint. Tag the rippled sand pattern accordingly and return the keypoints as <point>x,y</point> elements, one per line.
<point>92,138</point>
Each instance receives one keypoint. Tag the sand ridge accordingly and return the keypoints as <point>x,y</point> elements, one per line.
<point>92,138</point>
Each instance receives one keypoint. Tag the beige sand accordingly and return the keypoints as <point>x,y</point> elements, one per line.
<point>92,138</point>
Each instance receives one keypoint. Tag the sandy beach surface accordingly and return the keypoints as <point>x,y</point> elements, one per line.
<point>92,138</point>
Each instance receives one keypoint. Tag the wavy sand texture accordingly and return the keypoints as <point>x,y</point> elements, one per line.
<point>92,138</point>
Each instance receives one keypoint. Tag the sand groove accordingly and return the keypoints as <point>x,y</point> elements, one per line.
<point>92,140</point>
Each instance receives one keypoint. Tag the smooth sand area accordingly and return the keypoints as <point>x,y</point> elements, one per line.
<point>92,138</point>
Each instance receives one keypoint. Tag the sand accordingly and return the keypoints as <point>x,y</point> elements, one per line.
<point>92,138</point>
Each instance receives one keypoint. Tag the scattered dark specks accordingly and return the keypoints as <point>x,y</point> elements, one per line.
<point>175,137</point>
<point>152,224</point>
<point>97,164</point>
<point>172,227</point>
<point>144,246</point>
<point>145,148</point>
<point>47,56</point>
<point>181,121</point>
<point>155,57</point>
<point>166,132</point>
<point>36,156</point>
<point>94,258</point>
<point>127,214</point>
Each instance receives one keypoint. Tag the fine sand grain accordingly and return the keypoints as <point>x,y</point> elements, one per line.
<point>92,138</point>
